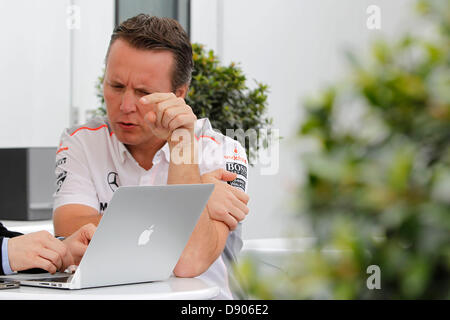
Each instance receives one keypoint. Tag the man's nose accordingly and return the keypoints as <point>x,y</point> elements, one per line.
<point>129,102</point>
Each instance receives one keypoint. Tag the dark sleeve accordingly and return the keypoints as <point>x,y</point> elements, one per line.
<point>1,257</point>
<point>5,233</point>
<point>8,234</point>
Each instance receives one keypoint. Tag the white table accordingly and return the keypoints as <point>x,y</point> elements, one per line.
<point>28,226</point>
<point>172,289</point>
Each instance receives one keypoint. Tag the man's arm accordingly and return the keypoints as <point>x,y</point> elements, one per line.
<point>68,218</point>
<point>75,198</point>
<point>172,120</point>
<point>209,236</point>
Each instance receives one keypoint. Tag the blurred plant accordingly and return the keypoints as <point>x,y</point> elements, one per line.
<point>378,184</point>
<point>220,93</point>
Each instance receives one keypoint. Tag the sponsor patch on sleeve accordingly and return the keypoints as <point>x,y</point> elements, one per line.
<point>60,180</point>
<point>237,168</point>
<point>61,162</point>
<point>241,171</point>
<point>238,183</point>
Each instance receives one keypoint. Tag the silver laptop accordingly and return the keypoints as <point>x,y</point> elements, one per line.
<point>139,239</point>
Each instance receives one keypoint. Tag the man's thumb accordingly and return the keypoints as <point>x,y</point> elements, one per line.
<point>227,175</point>
<point>150,117</point>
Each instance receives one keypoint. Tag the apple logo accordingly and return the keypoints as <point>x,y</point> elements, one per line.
<point>144,238</point>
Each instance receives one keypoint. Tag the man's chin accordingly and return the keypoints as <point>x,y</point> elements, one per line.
<point>127,138</point>
<point>133,137</point>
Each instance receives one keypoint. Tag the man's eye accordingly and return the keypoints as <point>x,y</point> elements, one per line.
<point>142,92</point>
<point>115,86</point>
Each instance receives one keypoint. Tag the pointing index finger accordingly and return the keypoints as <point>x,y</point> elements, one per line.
<point>156,97</point>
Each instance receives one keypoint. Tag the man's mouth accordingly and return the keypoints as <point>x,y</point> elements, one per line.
<point>127,125</point>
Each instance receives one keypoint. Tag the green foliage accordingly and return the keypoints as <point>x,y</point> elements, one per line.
<point>378,185</point>
<point>221,94</point>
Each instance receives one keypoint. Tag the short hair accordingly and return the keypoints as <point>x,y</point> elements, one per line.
<point>156,33</point>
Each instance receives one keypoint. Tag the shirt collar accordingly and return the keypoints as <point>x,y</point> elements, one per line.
<point>124,153</point>
<point>204,124</point>
<point>165,150</point>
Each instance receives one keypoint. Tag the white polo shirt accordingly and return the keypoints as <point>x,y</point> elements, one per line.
<point>91,163</point>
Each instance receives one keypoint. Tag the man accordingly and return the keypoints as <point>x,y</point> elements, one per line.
<point>151,137</point>
<point>41,250</point>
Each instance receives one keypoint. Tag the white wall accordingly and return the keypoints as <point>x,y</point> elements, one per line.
<point>296,47</point>
<point>34,69</point>
<point>50,59</point>
<point>90,43</point>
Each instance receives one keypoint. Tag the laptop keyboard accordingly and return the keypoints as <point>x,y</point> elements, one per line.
<point>56,279</point>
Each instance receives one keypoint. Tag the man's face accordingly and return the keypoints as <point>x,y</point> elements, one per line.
<point>131,74</point>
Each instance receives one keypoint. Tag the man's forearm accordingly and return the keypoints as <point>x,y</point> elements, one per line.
<point>209,236</point>
<point>69,218</point>
<point>204,246</point>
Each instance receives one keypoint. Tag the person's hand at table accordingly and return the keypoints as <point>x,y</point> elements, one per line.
<point>43,251</point>
<point>36,250</point>
<point>227,203</point>
<point>77,244</point>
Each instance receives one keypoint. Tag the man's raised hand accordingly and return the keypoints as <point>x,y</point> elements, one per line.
<point>168,113</point>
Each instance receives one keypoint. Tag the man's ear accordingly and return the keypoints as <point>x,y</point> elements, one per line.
<point>182,91</point>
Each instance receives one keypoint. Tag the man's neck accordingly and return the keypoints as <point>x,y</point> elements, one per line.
<point>144,153</point>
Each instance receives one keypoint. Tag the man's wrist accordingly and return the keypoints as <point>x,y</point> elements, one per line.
<point>181,135</point>
<point>183,147</point>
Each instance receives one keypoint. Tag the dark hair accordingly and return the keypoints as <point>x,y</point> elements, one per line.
<point>155,33</point>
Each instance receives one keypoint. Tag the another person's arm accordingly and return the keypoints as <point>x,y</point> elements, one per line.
<point>42,250</point>
<point>36,250</point>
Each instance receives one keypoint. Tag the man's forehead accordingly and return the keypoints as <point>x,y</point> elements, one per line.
<point>143,65</point>
<point>140,80</point>
<point>122,52</point>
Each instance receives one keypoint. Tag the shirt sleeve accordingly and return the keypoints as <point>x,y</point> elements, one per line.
<point>74,184</point>
<point>6,268</point>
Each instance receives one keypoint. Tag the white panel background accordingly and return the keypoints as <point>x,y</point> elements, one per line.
<point>34,68</point>
<point>296,47</point>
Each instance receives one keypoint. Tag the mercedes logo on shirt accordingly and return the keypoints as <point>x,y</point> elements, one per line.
<point>112,181</point>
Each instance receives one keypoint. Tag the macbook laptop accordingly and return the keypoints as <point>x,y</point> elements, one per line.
<point>139,239</point>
